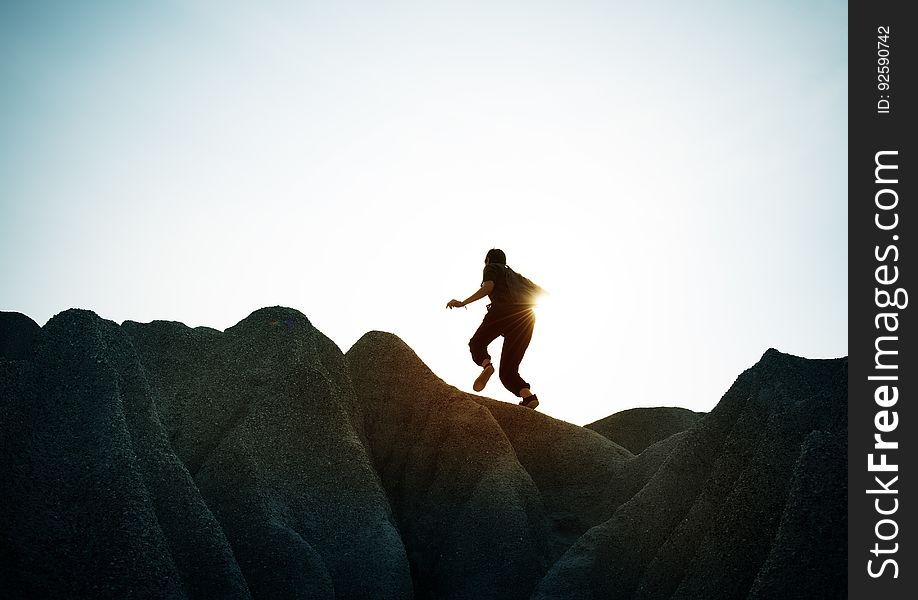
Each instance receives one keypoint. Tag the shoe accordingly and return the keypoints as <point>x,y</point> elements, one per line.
<point>482,380</point>
<point>530,402</point>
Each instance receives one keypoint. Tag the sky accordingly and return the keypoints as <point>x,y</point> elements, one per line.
<point>673,173</point>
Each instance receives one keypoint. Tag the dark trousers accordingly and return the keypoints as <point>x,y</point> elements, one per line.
<point>516,324</point>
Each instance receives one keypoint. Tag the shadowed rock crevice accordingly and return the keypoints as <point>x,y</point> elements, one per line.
<point>165,461</point>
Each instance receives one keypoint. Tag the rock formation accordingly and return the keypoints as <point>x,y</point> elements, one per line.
<point>157,460</point>
<point>638,428</point>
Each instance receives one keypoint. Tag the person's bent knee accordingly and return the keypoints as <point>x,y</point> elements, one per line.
<point>479,353</point>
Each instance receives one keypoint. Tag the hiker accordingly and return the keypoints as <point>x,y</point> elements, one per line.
<point>510,315</point>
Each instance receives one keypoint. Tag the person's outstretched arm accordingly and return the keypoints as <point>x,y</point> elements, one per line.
<point>484,290</point>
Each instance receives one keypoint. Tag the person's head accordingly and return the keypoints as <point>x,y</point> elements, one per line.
<point>496,257</point>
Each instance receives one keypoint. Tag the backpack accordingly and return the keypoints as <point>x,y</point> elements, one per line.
<point>522,290</point>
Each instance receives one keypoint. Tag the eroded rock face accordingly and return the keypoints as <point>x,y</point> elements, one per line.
<point>95,502</point>
<point>716,516</point>
<point>261,417</point>
<point>18,334</point>
<point>487,494</point>
<point>159,460</point>
<point>639,428</point>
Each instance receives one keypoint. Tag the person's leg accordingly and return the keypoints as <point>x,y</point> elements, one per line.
<point>517,335</point>
<point>486,333</point>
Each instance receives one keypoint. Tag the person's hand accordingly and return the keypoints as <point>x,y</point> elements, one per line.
<point>454,304</point>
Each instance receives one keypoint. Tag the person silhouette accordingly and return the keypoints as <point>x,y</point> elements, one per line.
<point>510,315</point>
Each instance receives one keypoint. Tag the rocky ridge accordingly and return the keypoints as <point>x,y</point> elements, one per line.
<point>158,460</point>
